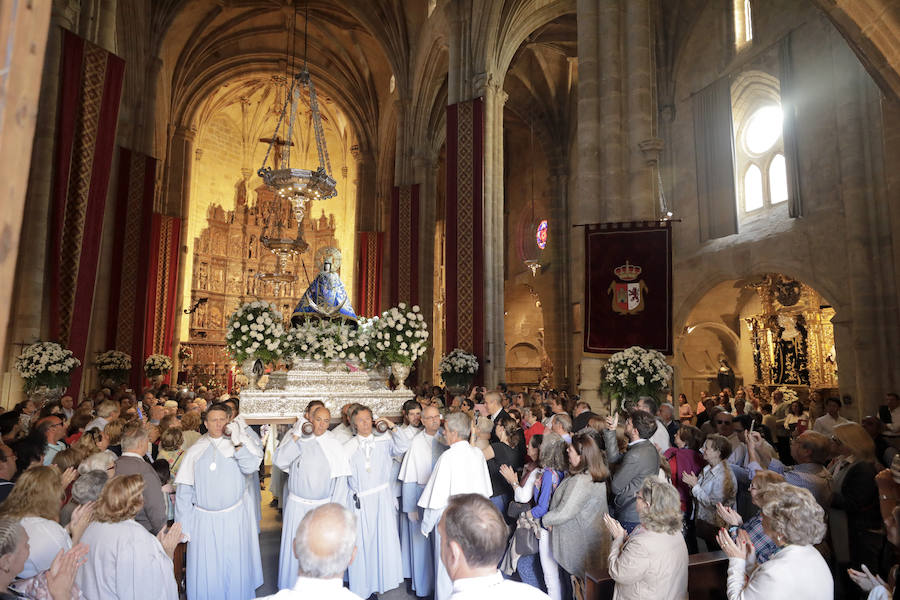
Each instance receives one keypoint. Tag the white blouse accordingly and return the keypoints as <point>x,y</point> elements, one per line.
<point>45,539</point>
<point>795,572</point>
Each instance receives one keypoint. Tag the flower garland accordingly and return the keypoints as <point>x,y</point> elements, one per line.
<point>255,331</point>
<point>318,339</point>
<point>636,372</point>
<point>46,364</point>
<point>400,335</point>
<point>157,364</point>
<point>458,362</point>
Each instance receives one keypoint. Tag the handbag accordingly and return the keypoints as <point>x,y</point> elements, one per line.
<point>525,541</point>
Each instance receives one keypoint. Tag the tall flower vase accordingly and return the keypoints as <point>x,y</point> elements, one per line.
<point>41,395</point>
<point>400,372</point>
<point>458,383</point>
<point>247,368</point>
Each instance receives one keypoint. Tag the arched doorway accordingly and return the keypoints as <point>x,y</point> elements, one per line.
<point>758,333</point>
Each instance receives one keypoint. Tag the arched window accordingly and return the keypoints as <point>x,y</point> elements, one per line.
<point>759,145</point>
<point>742,11</point>
<point>748,21</point>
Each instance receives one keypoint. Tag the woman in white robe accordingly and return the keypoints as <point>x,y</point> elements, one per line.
<point>223,559</point>
<point>318,470</point>
<point>124,560</point>
<point>378,566</point>
<point>418,463</point>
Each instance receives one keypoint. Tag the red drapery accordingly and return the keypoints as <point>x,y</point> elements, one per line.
<point>371,249</point>
<point>465,234</point>
<point>90,90</point>
<point>131,254</point>
<point>628,286</point>
<point>159,322</point>
<point>405,244</point>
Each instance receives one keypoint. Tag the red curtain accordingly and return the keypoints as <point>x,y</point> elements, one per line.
<point>465,235</point>
<point>90,90</point>
<point>405,244</point>
<point>371,250</point>
<point>131,253</point>
<point>159,322</point>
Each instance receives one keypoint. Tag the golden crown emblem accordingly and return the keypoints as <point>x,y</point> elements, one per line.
<point>627,272</point>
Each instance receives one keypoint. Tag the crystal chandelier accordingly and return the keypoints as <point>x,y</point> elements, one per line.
<point>300,186</point>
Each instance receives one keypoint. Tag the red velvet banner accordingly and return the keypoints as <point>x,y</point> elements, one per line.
<point>628,287</point>
<point>405,244</point>
<point>371,252</point>
<point>465,228</point>
<point>128,276</point>
<point>90,90</point>
<point>159,322</point>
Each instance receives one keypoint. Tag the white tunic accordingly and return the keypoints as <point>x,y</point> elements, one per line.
<point>125,562</point>
<point>494,587</point>
<point>320,589</point>
<point>45,539</point>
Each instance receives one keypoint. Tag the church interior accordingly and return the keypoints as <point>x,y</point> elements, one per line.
<point>584,112</point>
<point>470,150</point>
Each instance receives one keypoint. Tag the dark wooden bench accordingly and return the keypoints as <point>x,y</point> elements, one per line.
<point>707,576</point>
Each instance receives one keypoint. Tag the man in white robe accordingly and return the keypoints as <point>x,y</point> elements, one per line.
<point>343,432</point>
<point>473,524</point>
<point>403,436</point>
<point>378,566</point>
<point>317,474</point>
<point>461,469</point>
<point>418,464</point>
<point>254,497</point>
<point>223,559</point>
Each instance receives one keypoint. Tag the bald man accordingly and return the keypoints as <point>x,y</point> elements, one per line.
<point>317,470</point>
<point>324,547</point>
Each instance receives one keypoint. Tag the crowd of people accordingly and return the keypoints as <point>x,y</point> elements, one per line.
<point>489,493</point>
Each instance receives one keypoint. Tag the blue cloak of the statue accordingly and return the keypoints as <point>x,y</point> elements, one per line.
<point>325,297</point>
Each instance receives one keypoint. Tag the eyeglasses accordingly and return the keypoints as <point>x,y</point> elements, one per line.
<point>718,422</point>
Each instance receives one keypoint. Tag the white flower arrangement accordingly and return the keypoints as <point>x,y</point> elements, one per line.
<point>157,364</point>
<point>458,362</point>
<point>113,360</point>
<point>400,335</point>
<point>46,364</point>
<point>319,339</point>
<point>636,372</point>
<point>789,396</point>
<point>255,330</point>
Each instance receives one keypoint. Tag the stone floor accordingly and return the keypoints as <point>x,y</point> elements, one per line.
<point>269,545</point>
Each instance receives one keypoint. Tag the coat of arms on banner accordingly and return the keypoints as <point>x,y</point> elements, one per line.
<point>627,294</point>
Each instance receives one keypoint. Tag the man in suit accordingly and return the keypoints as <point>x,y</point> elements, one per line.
<point>582,414</point>
<point>493,402</point>
<point>135,443</point>
<point>639,461</point>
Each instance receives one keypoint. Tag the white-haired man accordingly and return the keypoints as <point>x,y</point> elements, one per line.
<point>462,469</point>
<point>324,546</point>
<point>317,474</point>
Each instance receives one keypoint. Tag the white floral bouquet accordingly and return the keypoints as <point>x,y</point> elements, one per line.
<point>788,395</point>
<point>636,372</point>
<point>400,335</point>
<point>320,339</point>
<point>113,364</point>
<point>458,362</point>
<point>157,364</point>
<point>255,330</point>
<point>46,364</point>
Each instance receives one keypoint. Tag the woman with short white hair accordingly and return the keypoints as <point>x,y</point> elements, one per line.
<point>795,521</point>
<point>651,561</point>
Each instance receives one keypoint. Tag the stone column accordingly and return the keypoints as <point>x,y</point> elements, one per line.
<point>611,124</point>
<point>366,204</point>
<point>640,201</point>
<point>424,173</point>
<point>495,347</point>
<point>557,305</point>
<point>179,160</point>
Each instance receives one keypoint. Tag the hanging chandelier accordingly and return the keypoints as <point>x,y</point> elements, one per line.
<point>299,185</point>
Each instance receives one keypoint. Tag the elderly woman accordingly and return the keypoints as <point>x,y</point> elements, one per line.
<point>792,517</point>
<point>99,461</point>
<point>171,448</point>
<point>57,583</point>
<point>124,559</point>
<point>85,490</point>
<point>651,562</point>
<point>577,508</point>
<point>190,426</point>
<point>764,545</point>
<point>35,502</point>
<point>715,485</point>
